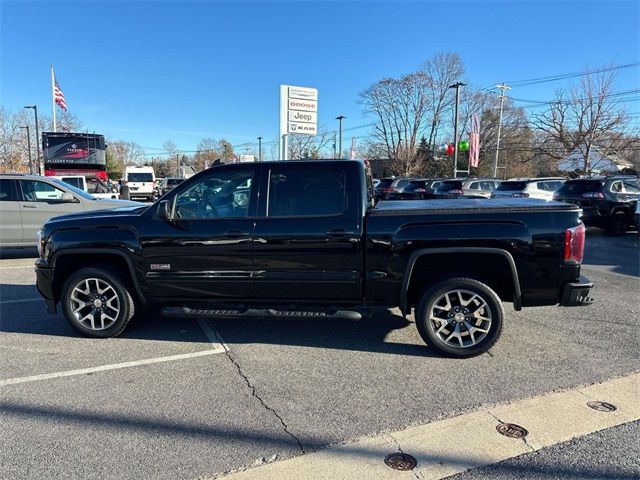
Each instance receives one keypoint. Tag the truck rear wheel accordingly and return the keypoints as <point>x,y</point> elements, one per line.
<point>618,224</point>
<point>460,317</point>
<point>96,303</point>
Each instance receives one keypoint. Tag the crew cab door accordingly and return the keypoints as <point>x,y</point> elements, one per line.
<point>307,238</point>
<point>205,251</point>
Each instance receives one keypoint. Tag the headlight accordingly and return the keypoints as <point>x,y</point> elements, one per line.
<point>40,243</point>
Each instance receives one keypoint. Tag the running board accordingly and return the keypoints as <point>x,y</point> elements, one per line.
<point>351,315</point>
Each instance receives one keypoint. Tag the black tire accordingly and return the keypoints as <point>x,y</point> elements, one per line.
<point>618,224</point>
<point>427,328</point>
<point>126,306</point>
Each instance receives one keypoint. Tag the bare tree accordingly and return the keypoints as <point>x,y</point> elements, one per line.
<point>14,155</point>
<point>309,146</point>
<point>588,116</point>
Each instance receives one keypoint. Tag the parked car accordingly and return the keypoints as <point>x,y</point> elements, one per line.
<point>310,238</point>
<point>167,184</point>
<point>542,188</point>
<point>397,187</point>
<point>28,201</point>
<point>606,202</point>
<point>383,187</point>
<point>479,187</point>
<point>416,189</point>
<point>637,216</point>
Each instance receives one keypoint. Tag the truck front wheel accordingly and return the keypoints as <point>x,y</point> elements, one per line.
<point>96,302</point>
<point>460,317</point>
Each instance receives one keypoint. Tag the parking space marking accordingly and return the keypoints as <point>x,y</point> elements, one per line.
<point>457,444</point>
<point>23,300</point>
<point>211,333</point>
<point>17,266</point>
<point>115,366</point>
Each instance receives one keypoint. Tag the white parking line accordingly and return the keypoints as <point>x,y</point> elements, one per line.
<point>23,300</point>
<point>453,445</point>
<point>115,366</point>
<point>16,266</point>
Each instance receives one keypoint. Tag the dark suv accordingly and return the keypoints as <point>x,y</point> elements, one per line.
<point>606,202</point>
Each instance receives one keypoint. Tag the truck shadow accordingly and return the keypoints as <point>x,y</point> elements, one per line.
<point>21,311</point>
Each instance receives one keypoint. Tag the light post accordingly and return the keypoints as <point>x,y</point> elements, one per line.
<point>35,111</point>
<point>340,118</point>
<point>259,149</point>
<point>29,147</point>
<point>455,128</point>
<point>502,88</point>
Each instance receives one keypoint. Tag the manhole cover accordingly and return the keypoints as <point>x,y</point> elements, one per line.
<point>512,430</point>
<point>401,461</point>
<point>601,406</point>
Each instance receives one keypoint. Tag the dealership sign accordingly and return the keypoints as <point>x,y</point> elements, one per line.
<point>298,113</point>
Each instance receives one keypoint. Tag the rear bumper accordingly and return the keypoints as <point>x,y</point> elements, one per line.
<point>44,284</point>
<point>577,294</point>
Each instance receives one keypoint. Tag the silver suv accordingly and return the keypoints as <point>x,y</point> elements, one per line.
<point>28,201</point>
<point>542,188</point>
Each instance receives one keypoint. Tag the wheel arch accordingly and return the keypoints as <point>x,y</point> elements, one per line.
<point>65,262</point>
<point>409,273</point>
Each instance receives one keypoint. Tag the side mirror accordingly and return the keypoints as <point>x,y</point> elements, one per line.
<point>67,198</point>
<point>164,210</point>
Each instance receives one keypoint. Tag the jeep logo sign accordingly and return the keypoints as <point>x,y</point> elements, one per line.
<point>307,117</point>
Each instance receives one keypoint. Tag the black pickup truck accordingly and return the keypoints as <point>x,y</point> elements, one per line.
<point>307,238</point>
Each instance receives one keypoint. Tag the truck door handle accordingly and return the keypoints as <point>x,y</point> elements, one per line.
<point>30,206</point>
<point>235,234</point>
<point>338,232</point>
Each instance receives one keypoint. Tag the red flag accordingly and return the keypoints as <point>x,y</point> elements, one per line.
<point>58,95</point>
<point>474,141</point>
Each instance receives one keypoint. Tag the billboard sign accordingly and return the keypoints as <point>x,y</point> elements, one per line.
<point>74,149</point>
<point>298,113</point>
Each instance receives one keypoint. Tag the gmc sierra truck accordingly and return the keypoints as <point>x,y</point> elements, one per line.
<point>307,238</point>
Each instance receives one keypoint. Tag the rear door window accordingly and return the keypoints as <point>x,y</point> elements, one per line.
<point>306,191</point>
<point>140,177</point>
<point>581,186</point>
<point>512,186</point>
<point>6,191</point>
<point>474,186</point>
<point>487,185</point>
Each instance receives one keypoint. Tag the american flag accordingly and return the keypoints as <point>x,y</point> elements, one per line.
<point>474,141</point>
<point>58,95</point>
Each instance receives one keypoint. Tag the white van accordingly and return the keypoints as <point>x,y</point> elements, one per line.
<point>141,182</point>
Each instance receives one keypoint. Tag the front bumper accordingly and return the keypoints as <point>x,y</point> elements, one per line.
<point>44,284</point>
<point>576,294</point>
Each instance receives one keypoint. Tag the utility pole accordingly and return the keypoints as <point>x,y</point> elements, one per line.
<point>35,111</point>
<point>178,165</point>
<point>29,147</point>
<point>340,118</point>
<point>334,145</point>
<point>259,149</point>
<point>502,88</point>
<point>455,128</point>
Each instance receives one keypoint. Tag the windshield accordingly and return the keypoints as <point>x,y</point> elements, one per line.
<point>450,185</point>
<point>140,177</point>
<point>73,189</point>
<point>581,186</point>
<point>384,183</point>
<point>511,186</point>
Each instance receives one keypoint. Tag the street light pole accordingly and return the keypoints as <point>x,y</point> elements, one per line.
<point>455,128</point>
<point>502,88</point>
<point>340,118</point>
<point>35,111</point>
<point>259,149</point>
<point>29,147</point>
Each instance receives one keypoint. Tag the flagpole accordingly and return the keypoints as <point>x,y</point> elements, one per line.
<point>53,99</point>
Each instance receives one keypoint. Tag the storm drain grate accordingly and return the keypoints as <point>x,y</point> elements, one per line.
<point>601,406</point>
<point>512,430</point>
<point>401,461</point>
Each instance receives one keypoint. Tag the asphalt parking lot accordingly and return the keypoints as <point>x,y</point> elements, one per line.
<point>187,399</point>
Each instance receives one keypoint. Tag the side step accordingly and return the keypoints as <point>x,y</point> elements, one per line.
<point>333,314</point>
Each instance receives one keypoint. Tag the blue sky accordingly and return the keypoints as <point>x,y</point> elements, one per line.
<point>175,70</point>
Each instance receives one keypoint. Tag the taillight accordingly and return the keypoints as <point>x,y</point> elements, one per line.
<point>598,195</point>
<point>457,191</point>
<point>387,189</point>
<point>574,244</point>
<point>420,190</point>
